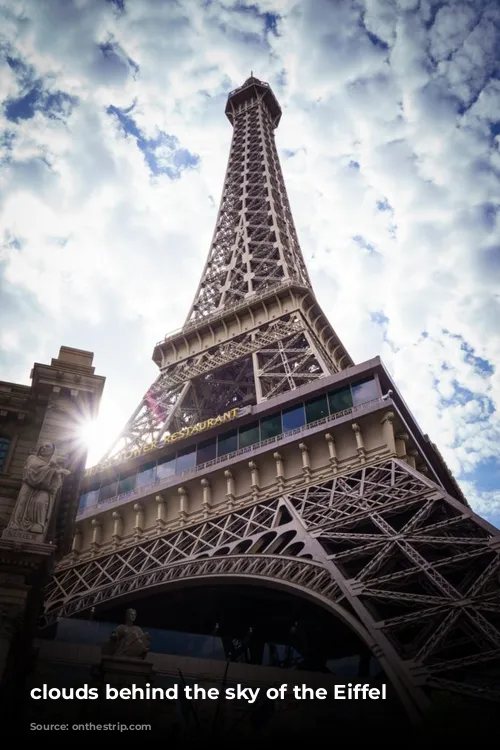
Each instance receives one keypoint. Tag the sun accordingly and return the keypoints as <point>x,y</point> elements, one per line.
<point>88,433</point>
<point>95,435</point>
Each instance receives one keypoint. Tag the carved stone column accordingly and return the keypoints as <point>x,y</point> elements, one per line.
<point>117,527</point>
<point>229,489</point>
<point>306,461</point>
<point>280,470</point>
<point>20,566</point>
<point>332,452</point>
<point>76,547</point>
<point>412,458</point>
<point>161,508</point>
<point>402,444</point>
<point>139,520</point>
<point>96,535</point>
<point>254,479</point>
<point>359,442</point>
<point>206,501</point>
<point>183,504</point>
<point>387,423</point>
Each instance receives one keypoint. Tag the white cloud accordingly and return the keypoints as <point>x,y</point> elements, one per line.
<point>385,104</point>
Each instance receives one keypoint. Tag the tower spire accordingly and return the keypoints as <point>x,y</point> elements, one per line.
<point>255,245</point>
<point>255,329</point>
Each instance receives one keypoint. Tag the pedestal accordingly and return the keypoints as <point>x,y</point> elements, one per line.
<point>22,565</point>
<point>121,672</point>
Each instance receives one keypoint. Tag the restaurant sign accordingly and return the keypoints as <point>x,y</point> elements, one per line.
<point>182,434</point>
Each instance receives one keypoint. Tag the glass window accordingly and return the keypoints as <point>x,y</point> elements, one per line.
<point>248,435</point>
<point>316,408</point>
<point>107,491</point>
<point>88,499</point>
<point>293,418</point>
<point>364,391</point>
<point>228,442</point>
<point>207,451</point>
<point>340,400</point>
<point>4,449</point>
<point>270,426</point>
<point>146,475</point>
<point>126,482</point>
<point>166,467</point>
<point>186,459</point>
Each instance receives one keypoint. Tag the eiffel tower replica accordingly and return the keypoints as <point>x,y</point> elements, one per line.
<point>264,455</point>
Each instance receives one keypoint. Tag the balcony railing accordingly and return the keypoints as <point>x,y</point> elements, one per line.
<point>161,484</point>
<point>234,307</point>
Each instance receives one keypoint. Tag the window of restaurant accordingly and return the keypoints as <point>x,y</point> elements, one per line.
<point>340,400</point>
<point>270,426</point>
<point>316,408</point>
<point>165,467</point>
<point>293,418</point>
<point>365,390</point>
<point>88,499</point>
<point>146,474</point>
<point>207,451</point>
<point>248,435</point>
<point>108,490</point>
<point>127,481</point>
<point>227,443</point>
<point>186,459</point>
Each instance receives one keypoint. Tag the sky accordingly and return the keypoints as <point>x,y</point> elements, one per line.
<point>113,149</point>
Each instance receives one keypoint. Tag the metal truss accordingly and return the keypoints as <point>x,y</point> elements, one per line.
<point>255,244</point>
<point>254,252</point>
<point>234,349</point>
<point>415,572</point>
<point>195,389</point>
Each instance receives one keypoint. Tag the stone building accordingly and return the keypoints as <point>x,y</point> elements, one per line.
<point>49,411</point>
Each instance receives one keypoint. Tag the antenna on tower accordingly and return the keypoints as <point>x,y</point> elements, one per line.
<point>251,74</point>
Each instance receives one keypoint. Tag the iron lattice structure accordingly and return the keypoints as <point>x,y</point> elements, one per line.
<point>255,245</point>
<point>254,258</point>
<point>412,570</point>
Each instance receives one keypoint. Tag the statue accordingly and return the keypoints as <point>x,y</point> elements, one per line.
<point>42,480</point>
<point>128,639</point>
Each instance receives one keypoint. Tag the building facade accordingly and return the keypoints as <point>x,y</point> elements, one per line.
<point>48,413</point>
<point>272,510</point>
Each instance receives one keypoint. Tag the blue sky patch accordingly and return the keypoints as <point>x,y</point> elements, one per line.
<point>55,105</point>
<point>119,4</point>
<point>162,154</point>
<point>365,245</point>
<point>23,108</point>
<point>36,97</point>
<point>486,475</point>
<point>384,205</point>
<point>480,365</point>
<point>271,23</point>
<point>379,318</point>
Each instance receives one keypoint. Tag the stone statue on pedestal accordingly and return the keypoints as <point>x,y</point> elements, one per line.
<point>42,480</point>
<point>128,640</point>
